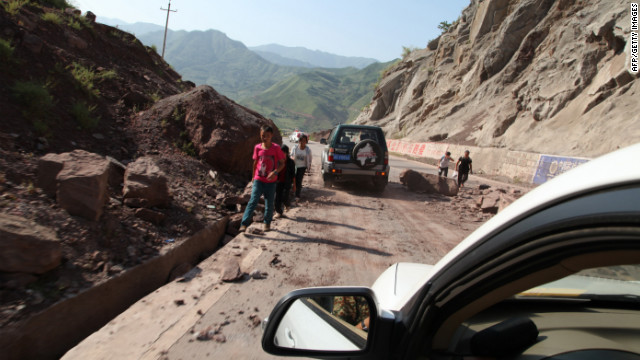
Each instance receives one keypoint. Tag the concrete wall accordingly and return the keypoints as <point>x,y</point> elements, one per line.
<point>532,168</point>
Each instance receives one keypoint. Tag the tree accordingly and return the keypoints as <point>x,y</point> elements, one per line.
<point>444,26</point>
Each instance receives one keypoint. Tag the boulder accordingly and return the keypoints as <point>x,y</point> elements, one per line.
<point>428,183</point>
<point>82,187</point>
<point>145,185</point>
<point>231,271</point>
<point>490,203</point>
<point>26,247</point>
<point>222,132</point>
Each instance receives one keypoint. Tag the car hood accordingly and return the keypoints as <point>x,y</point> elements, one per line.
<point>397,285</point>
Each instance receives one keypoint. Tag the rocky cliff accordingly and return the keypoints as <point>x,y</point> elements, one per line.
<point>529,75</point>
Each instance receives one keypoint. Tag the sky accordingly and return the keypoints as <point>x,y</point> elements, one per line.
<point>367,28</point>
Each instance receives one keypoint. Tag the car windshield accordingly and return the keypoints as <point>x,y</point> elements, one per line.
<point>615,283</point>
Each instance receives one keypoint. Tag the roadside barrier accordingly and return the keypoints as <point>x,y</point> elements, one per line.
<point>520,166</point>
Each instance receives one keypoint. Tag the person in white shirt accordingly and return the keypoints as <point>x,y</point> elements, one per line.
<point>301,154</point>
<point>443,167</point>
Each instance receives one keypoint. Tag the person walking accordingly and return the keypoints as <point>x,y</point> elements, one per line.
<point>464,167</point>
<point>268,162</point>
<point>443,167</point>
<point>285,180</point>
<point>301,154</point>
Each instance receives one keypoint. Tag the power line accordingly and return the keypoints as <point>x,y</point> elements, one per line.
<point>166,26</point>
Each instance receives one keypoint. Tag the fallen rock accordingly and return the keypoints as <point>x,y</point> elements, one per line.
<point>490,203</point>
<point>26,247</point>
<point>428,183</point>
<point>145,185</point>
<point>214,125</point>
<point>231,271</point>
<point>82,184</point>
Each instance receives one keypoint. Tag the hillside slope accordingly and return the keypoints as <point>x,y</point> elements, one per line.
<point>210,57</point>
<point>315,58</point>
<point>318,99</point>
<point>542,76</point>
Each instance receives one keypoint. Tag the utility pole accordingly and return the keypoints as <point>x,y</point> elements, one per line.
<point>166,26</point>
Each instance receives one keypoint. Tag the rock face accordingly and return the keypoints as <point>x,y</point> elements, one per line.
<point>215,128</point>
<point>526,75</point>
<point>428,183</point>
<point>145,185</point>
<point>78,179</point>
<point>26,247</point>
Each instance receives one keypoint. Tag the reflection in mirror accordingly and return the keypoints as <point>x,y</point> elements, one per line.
<point>330,323</point>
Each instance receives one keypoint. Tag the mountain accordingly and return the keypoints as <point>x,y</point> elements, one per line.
<point>138,28</point>
<point>281,60</point>
<point>210,57</point>
<point>549,77</point>
<point>314,58</point>
<point>318,99</point>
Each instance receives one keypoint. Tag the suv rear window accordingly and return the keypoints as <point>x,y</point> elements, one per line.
<point>354,136</point>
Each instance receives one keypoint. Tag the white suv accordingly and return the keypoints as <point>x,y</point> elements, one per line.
<point>295,136</point>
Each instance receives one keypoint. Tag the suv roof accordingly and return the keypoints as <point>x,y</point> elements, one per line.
<point>353,126</point>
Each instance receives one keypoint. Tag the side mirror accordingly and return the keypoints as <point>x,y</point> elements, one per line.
<point>319,321</point>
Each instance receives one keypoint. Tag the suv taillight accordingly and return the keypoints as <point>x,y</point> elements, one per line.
<point>330,156</point>
<point>386,158</point>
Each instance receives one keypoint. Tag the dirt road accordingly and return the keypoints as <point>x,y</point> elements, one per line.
<point>345,235</point>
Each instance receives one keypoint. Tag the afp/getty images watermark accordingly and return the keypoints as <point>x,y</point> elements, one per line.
<point>633,38</point>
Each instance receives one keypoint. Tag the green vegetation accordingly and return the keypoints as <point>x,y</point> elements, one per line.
<point>6,51</point>
<point>406,51</point>
<point>58,4</point>
<point>86,77</point>
<point>83,114</point>
<point>210,57</point>
<point>52,17</point>
<point>444,26</point>
<point>155,97</point>
<point>185,144</point>
<point>154,48</point>
<point>13,6</point>
<point>318,99</point>
<point>36,103</point>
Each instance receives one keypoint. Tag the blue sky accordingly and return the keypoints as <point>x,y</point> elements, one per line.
<point>368,28</point>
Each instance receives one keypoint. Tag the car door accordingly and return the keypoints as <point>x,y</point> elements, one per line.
<point>594,229</point>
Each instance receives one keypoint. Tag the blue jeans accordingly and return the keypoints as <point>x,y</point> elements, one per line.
<point>260,188</point>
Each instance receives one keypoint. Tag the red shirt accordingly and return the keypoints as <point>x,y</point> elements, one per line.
<point>267,161</point>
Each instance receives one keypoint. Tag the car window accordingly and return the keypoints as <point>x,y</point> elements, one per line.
<point>611,283</point>
<point>355,135</point>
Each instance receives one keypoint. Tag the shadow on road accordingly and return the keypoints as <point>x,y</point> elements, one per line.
<point>303,240</point>
<point>330,223</point>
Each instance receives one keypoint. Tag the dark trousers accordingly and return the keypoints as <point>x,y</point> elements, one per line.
<point>299,175</point>
<point>282,196</point>
<point>462,177</point>
<point>444,171</point>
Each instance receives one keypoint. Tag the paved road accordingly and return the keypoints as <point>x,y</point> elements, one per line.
<point>345,235</point>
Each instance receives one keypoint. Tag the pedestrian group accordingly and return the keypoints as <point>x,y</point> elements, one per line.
<point>276,172</point>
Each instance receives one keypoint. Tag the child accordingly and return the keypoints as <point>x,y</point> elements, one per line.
<point>302,156</point>
<point>285,180</point>
<point>268,161</point>
<point>444,164</point>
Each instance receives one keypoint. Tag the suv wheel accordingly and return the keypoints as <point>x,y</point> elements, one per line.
<point>367,154</point>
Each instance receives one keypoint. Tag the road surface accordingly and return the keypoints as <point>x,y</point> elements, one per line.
<point>345,235</point>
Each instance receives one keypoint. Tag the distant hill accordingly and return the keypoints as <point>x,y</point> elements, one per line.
<point>315,58</point>
<point>210,57</point>
<point>139,28</point>
<point>318,99</point>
